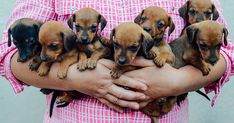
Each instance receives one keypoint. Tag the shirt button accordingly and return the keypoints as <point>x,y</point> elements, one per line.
<point>72,8</point>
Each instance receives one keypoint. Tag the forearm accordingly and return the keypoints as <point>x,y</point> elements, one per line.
<point>22,72</point>
<point>194,80</point>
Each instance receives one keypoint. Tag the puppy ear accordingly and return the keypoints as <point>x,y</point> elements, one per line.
<point>69,39</point>
<point>215,12</point>
<point>37,28</point>
<point>112,35</point>
<point>102,20</point>
<point>191,33</point>
<point>171,25</point>
<point>9,37</point>
<point>147,42</point>
<point>138,18</point>
<point>225,32</point>
<point>71,20</point>
<point>183,11</point>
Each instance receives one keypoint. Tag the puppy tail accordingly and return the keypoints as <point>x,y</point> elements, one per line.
<point>9,37</point>
<point>53,99</point>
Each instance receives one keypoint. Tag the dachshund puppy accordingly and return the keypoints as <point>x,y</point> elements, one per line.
<point>155,20</point>
<point>57,42</point>
<point>194,11</point>
<point>86,22</point>
<point>200,47</point>
<point>25,37</point>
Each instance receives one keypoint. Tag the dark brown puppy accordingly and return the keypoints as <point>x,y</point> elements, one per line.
<point>194,11</point>
<point>57,42</point>
<point>25,37</point>
<point>86,22</point>
<point>199,46</point>
<point>130,40</point>
<point>155,20</point>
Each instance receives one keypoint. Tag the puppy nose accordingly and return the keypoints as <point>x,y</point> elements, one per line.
<point>213,61</point>
<point>84,38</point>
<point>147,29</point>
<point>122,60</point>
<point>23,58</point>
<point>44,58</point>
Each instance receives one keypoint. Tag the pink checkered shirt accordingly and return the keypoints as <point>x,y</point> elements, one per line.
<point>90,110</point>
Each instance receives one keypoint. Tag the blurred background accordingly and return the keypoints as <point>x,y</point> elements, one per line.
<point>29,106</point>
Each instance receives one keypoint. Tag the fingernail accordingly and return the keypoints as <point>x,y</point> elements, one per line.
<point>136,106</point>
<point>144,88</point>
<point>142,97</point>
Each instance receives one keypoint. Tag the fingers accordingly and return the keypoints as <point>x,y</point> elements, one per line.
<point>122,103</point>
<point>125,94</point>
<point>142,62</point>
<point>107,63</point>
<point>111,105</point>
<point>131,83</point>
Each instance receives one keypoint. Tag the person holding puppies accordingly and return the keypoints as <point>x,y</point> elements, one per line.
<point>150,82</point>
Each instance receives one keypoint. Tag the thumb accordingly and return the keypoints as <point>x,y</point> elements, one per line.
<point>107,63</point>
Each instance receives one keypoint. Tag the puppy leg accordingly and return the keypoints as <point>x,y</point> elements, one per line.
<point>69,59</point>
<point>65,98</point>
<point>98,54</point>
<point>117,71</point>
<point>82,64</point>
<point>168,105</point>
<point>44,68</point>
<point>35,63</point>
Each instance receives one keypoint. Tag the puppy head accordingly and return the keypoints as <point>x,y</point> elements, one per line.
<point>128,39</point>
<point>207,37</point>
<point>55,39</point>
<point>24,33</point>
<point>155,20</point>
<point>86,22</point>
<point>194,11</point>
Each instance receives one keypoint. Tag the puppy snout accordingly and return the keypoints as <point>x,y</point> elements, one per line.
<point>84,39</point>
<point>213,61</point>
<point>122,60</point>
<point>23,58</point>
<point>44,58</point>
<point>147,28</point>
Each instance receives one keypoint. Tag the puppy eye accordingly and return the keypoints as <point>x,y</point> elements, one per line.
<point>133,48</point>
<point>159,24</point>
<point>203,47</point>
<point>192,12</point>
<point>77,28</point>
<point>14,41</point>
<point>31,41</point>
<point>143,19</point>
<point>53,46</point>
<point>93,28</point>
<point>208,14</point>
<point>117,46</point>
<point>218,46</point>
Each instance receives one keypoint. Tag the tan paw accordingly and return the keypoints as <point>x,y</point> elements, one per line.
<point>206,69</point>
<point>42,71</point>
<point>115,73</point>
<point>82,65</point>
<point>62,74</point>
<point>33,65</point>
<point>91,64</point>
<point>159,61</point>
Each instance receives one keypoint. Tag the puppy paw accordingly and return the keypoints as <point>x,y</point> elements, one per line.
<point>159,61</point>
<point>115,73</point>
<point>42,71</point>
<point>82,65</point>
<point>61,74</point>
<point>91,64</point>
<point>206,69</point>
<point>33,65</point>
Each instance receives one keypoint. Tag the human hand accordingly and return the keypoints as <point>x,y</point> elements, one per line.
<point>99,83</point>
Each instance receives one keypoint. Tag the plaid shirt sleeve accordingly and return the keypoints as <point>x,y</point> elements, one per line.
<point>41,10</point>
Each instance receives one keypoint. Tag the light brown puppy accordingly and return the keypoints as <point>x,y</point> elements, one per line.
<point>194,11</point>
<point>57,42</point>
<point>155,20</point>
<point>86,22</point>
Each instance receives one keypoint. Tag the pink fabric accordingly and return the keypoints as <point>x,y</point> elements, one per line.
<point>88,110</point>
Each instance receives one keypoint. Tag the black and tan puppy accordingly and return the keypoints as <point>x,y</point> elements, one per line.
<point>194,11</point>
<point>24,33</point>
<point>200,47</point>
<point>57,42</point>
<point>155,20</point>
<point>86,22</point>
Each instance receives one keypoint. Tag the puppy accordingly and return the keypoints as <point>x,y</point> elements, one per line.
<point>25,37</point>
<point>194,11</point>
<point>155,20</point>
<point>57,42</point>
<point>199,46</point>
<point>86,22</point>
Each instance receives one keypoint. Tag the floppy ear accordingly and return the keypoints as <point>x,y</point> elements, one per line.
<point>9,37</point>
<point>183,11</point>
<point>191,33</point>
<point>138,18</point>
<point>225,32</point>
<point>112,35</point>
<point>147,42</point>
<point>37,28</point>
<point>102,20</point>
<point>71,20</point>
<point>215,12</point>
<point>171,25</point>
<point>69,39</point>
